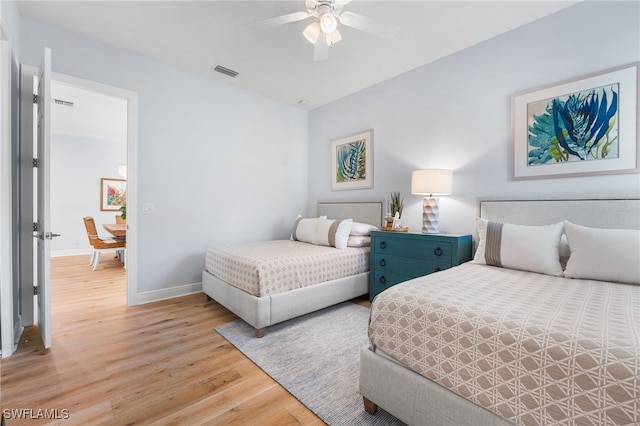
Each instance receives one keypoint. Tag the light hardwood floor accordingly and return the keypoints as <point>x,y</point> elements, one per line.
<point>160,363</point>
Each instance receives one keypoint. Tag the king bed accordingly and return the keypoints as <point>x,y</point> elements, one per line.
<point>542,327</point>
<point>325,262</point>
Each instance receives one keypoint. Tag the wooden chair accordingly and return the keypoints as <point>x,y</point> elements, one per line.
<point>119,219</point>
<point>100,245</point>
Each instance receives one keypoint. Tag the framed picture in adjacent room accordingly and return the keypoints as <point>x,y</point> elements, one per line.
<point>113,194</point>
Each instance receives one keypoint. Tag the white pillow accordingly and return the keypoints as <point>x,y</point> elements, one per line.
<point>603,254</point>
<point>360,228</point>
<point>333,233</point>
<point>358,241</point>
<point>304,229</point>
<point>527,248</point>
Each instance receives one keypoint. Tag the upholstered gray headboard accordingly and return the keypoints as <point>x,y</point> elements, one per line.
<point>618,212</point>
<point>360,211</point>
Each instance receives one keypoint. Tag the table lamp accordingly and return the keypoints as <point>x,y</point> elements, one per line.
<point>431,182</point>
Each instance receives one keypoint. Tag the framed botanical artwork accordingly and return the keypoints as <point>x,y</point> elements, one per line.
<point>352,162</point>
<point>113,194</point>
<point>587,126</point>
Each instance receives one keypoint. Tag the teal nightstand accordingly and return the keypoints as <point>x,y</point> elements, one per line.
<point>400,256</point>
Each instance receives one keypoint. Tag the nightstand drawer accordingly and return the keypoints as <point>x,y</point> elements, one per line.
<point>414,248</point>
<point>410,267</point>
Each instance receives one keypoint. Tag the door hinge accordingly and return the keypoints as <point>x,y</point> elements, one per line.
<point>35,162</point>
<point>35,226</point>
<point>35,98</point>
<point>35,290</point>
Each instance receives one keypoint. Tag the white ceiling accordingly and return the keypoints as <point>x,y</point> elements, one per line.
<point>92,115</point>
<point>278,62</point>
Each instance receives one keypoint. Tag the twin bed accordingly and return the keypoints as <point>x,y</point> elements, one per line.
<point>543,327</point>
<point>269,282</point>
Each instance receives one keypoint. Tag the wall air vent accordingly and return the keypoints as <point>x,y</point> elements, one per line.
<point>63,103</point>
<point>225,71</point>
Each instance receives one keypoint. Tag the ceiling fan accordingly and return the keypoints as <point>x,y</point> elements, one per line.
<point>323,32</point>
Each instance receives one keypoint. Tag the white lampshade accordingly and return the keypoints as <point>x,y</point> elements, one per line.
<point>328,23</point>
<point>312,32</point>
<point>431,182</point>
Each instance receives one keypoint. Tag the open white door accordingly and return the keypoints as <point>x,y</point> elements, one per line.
<point>6,261</point>
<point>43,233</point>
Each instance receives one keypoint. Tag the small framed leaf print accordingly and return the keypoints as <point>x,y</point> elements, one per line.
<point>352,162</point>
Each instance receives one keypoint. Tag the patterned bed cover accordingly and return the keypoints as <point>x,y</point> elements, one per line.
<point>269,267</point>
<point>532,348</point>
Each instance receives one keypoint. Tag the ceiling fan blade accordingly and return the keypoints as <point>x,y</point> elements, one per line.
<point>280,20</point>
<point>321,49</point>
<point>368,25</point>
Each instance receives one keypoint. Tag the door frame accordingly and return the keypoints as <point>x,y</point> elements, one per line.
<point>132,173</point>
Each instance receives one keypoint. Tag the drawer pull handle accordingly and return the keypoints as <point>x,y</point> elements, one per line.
<point>383,244</point>
<point>437,269</point>
<point>438,251</point>
<point>383,262</point>
<point>382,280</point>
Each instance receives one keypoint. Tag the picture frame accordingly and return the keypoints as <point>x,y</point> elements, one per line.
<point>113,194</point>
<point>352,162</point>
<point>582,127</point>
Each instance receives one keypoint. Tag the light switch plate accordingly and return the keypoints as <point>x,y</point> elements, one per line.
<point>148,208</point>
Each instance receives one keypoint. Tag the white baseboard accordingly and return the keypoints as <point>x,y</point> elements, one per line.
<point>71,252</point>
<point>168,293</point>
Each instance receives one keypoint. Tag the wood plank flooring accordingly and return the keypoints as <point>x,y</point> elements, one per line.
<point>160,363</point>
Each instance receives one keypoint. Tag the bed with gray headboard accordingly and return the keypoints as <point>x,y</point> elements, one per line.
<point>542,327</point>
<point>267,301</point>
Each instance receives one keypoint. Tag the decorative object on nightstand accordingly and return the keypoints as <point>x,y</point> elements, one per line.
<point>401,256</point>
<point>431,182</point>
<point>393,218</point>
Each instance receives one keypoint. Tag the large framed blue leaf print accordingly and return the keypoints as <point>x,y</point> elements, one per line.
<point>352,162</point>
<point>587,126</point>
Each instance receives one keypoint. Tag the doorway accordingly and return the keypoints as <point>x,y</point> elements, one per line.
<point>110,99</point>
<point>79,236</point>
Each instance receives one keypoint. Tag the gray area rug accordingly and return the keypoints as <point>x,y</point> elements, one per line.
<point>316,358</point>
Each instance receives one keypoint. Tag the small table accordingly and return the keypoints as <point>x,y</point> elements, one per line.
<point>118,230</point>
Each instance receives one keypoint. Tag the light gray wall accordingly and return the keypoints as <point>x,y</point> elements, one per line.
<point>455,113</point>
<point>220,164</point>
<point>77,164</point>
<point>11,18</point>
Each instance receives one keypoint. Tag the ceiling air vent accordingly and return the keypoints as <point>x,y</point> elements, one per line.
<point>63,103</point>
<point>225,71</point>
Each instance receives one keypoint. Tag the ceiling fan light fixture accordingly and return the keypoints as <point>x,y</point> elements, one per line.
<point>333,38</point>
<point>328,22</point>
<point>312,32</point>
